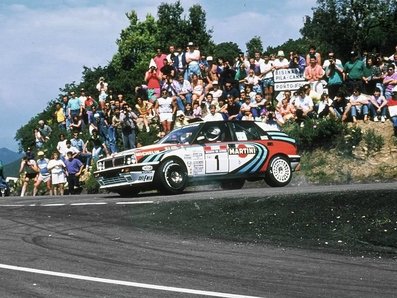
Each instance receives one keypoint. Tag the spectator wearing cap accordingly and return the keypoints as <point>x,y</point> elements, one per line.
<point>43,175</point>
<point>192,57</point>
<point>354,69</point>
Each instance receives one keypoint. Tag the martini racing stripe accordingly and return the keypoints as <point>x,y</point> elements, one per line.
<point>256,162</point>
<point>153,157</point>
<point>281,136</point>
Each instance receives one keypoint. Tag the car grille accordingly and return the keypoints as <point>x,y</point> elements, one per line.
<point>110,163</point>
<point>116,180</point>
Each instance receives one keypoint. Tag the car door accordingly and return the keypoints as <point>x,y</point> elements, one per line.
<point>215,136</point>
<point>246,154</point>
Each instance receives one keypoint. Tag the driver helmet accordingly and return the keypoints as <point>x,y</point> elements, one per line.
<point>213,133</point>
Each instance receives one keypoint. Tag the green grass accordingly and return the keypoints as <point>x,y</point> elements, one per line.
<point>353,222</point>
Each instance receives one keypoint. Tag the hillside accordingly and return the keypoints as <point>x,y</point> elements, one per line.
<point>328,167</point>
<point>7,156</point>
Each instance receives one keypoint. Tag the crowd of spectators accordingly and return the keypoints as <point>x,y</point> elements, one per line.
<point>183,86</point>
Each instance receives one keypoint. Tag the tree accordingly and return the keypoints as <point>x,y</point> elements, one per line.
<point>254,45</point>
<point>354,24</point>
<point>226,50</point>
<point>173,28</point>
<point>197,31</point>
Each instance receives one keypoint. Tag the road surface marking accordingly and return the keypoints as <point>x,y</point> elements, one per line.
<point>52,205</point>
<point>125,283</point>
<point>134,203</point>
<point>13,205</point>
<point>86,204</point>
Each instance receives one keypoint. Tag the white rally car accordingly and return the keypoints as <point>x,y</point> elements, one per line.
<point>228,152</point>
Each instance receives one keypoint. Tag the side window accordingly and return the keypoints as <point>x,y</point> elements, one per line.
<point>214,132</point>
<point>245,131</point>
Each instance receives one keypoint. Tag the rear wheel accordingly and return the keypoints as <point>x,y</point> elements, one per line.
<point>171,177</point>
<point>279,172</point>
<point>232,184</point>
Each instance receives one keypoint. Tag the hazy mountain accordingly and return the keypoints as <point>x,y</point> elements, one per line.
<point>7,156</point>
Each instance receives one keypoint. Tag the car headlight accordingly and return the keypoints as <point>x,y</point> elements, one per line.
<point>131,159</point>
<point>100,165</point>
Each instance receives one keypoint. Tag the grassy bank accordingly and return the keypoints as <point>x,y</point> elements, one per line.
<point>354,222</point>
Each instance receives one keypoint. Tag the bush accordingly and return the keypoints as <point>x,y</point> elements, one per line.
<point>373,142</point>
<point>316,133</point>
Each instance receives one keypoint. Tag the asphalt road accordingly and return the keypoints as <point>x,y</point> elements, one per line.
<point>76,246</point>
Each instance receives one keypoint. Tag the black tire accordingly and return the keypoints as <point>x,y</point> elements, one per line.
<point>279,173</point>
<point>232,184</point>
<point>171,177</point>
<point>128,193</point>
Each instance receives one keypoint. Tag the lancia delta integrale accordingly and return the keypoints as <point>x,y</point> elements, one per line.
<point>225,152</point>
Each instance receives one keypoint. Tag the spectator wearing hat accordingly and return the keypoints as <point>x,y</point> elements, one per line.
<point>43,175</point>
<point>180,119</point>
<point>280,62</point>
<point>192,57</point>
<point>216,92</point>
<point>153,79</point>
<point>354,69</point>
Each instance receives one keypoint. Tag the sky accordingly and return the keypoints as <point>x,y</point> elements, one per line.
<point>46,43</point>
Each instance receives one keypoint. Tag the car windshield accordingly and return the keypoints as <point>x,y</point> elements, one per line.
<point>183,135</point>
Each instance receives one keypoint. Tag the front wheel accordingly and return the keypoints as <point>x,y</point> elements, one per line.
<point>171,177</point>
<point>279,173</point>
